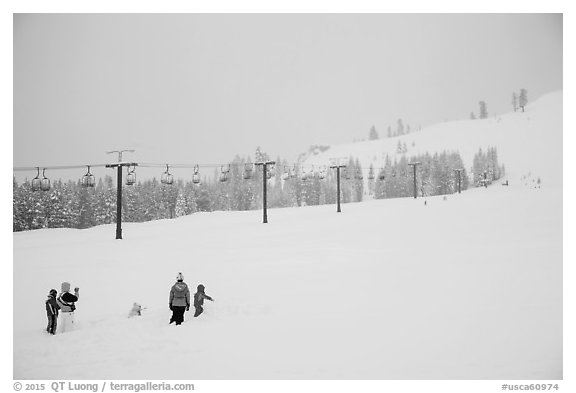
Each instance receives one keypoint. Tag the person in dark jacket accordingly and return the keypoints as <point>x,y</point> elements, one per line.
<point>179,300</point>
<point>52,308</point>
<point>199,300</point>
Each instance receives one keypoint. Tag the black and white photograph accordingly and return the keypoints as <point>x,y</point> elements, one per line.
<point>359,196</point>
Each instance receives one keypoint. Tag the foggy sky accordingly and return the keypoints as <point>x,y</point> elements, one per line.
<point>201,88</point>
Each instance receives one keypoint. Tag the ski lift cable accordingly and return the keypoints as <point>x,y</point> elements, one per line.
<point>304,167</point>
<point>163,165</point>
<point>187,166</point>
<point>58,167</point>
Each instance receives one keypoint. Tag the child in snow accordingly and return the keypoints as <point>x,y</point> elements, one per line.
<point>199,300</point>
<point>52,308</point>
<point>179,300</point>
<point>66,302</point>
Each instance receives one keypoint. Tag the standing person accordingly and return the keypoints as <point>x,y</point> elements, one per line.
<point>52,308</point>
<point>66,301</point>
<point>199,300</point>
<point>179,300</point>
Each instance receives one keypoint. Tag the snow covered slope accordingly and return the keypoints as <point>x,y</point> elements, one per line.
<point>528,143</point>
<point>464,288</point>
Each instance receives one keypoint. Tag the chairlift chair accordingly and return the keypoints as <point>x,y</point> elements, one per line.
<point>166,177</point>
<point>248,171</point>
<point>224,173</point>
<point>346,174</point>
<point>371,174</point>
<point>196,175</point>
<point>88,180</point>
<point>322,173</point>
<point>36,182</point>
<point>45,182</point>
<point>382,175</point>
<point>270,172</point>
<point>131,176</point>
<point>285,174</point>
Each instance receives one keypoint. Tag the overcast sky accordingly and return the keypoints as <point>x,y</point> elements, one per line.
<point>201,88</point>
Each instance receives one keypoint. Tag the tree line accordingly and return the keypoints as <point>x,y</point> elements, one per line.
<point>399,130</point>
<point>519,100</point>
<point>71,205</point>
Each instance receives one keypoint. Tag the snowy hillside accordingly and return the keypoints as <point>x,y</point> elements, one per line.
<point>521,139</point>
<point>464,288</point>
<point>467,287</point>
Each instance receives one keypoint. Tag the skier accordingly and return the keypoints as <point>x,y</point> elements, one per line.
<point>179,300</point>
<point>52,308</point>
<point>199,300</point>
<point>66,302</point>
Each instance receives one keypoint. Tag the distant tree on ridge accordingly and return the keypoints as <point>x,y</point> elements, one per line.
<point>523,99</point>
<point>483,111</point>
<point>373,135</point>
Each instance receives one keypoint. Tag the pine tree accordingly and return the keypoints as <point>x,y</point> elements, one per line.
<point>133,203</point>
<point>311,191</point>
<point>523,99</point>
<point>19,207</point>
<point>379,182</point>
<point>373,135</point>
<point>149,204</point>
<point>424,175</point>
<point>493,165</point>
<point>261,156</point>
<point>514,102</point>
<point>180,209</point>
<point>189,194</point>
<point>477,168</point>
<point>405,182</point>
<point>472,116</point>
<point>383,179</point>
<point>276,195</point>
<point>400,127</point>
<point>86,217</point>
<point>170,197</point>
<point>483,110</point>
<point>328,188</point>
<point>203,200</point>
<point>58,206</point>
<point>359,182</point>
<point>390,135</point>
<point>371,180</point>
